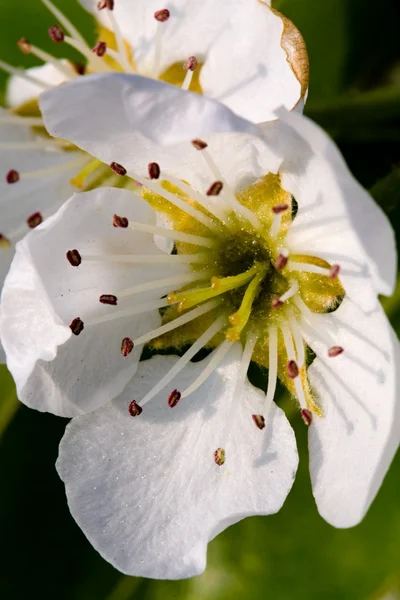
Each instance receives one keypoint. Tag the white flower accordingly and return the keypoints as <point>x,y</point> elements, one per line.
<point>253,74</point>
<point>278,251</point>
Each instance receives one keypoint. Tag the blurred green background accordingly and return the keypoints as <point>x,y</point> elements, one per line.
<point>355,94</point>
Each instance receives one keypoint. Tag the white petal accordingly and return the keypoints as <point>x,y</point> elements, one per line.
<point>239,42</point>
<point>146,490</point>
<point>88,370</point>
<point>337,219</point>
<point>19,90</point>
<point>131,117</point>
<point>352,445</point>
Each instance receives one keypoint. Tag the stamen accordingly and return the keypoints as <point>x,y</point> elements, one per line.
<point>294,288</point>
<point>61,168</point>
<point>259,421</point>
<point>64,69</point>
<point>77,326</point>
<point>171,233</point>
<point>24,75</point>
<point>134,409</point>
<point>100,49</point>
<point>66,23</point>
<point>219,456</point>
<point>160,283</point>
<point>199,144</point>
<point>215,188</point>
<point>122,52</point>
<point>251,341</point>
<point>309,268</point>
<point>306,415</point>
<point>282,260</point>
<point>149,259</point>
<point>272,368</point>
<point>241,317</point>
<point>154,170</point>
<point>121,222</point>
<point>292,365</point>
<point>185,359</point>
<point>280,208</point>
<point>277,220</point>
<point>178,322</point>
<point>118,169</point>
<point>161,16</point>
<point>74,258</point>
<point>17,120</point>
<point>335,351</point>
<point>176,201</point>
<point>12,176</point>
<point>108,299</point>
<point>135,310</point>
<point>213,364</point>
<point>218,210</point>
<point>219,285</point>
<point>298,340</point>
<point>56,34</point>
<point>126,346</point>
<point>105,4</point>
<point>174,398</point>
<point>334,271</point>
<point>98,63</point>
<point>229,196</point>
<point>190,66</point>
<point>36,144</point>
<point>34,220</point>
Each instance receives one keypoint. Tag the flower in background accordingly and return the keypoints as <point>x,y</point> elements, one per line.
<point>205,48</point>
<point>272,254</point>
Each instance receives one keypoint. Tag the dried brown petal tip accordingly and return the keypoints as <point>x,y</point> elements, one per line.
<point>105,4</point>
<point>191,64</point>
<point>259,421</point>
<point>118,169</point>
<point>74,258</point>
<point>280,208</point>
<point>293,369</point>
<point>334,271</point>
<point>12,176</point>
<point>134,409</point>
<point>120,222</point>
<point>281,261</point>
<point>24,45</point>
<point>4,242</point>
<point>174,398</point>
<point>306,415</point>
<point>276,302</point>
<point>153,170</point>
<point>126,346</point>
<point>77,326</point>
<point>219,456</point>
<point>335,351</point>
<point>215,188</point>
<point>34,220</point>
<point>162,15</point>
<point>108,299</point>
<point>56,34</point>
<point>199,144</point>
<point>100,49</point>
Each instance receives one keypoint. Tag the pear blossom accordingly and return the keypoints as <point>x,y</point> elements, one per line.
<point>267,251</point>
<point>205,48</point>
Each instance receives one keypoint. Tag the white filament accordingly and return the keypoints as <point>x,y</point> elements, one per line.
<point>99,63</point>
<point>188,80</point>
<point>308,268</point>
<point>206,202</point>
<point>276,225</point>
<point>272,368</point>
<point>171,233</point>
<point>287,337</point>
<point>62,19</point>
<point>123,58</point>
<point>213,364</point>
<point>148,259</point>
<point>160,283</point>
<point>298,340</point>
<point>24,75</point>
<point>64,69</point>
<point>135,310</point>
<point>61,168</point>
<point>294,288</point>
<point>17,120</point>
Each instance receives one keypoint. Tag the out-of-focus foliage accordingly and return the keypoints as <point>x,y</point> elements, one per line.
<point>354,56</point>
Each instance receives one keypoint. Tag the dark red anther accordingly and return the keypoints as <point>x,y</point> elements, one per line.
<point>153,170</point>
<point>281,261</point>
<point>24,45</point>
<point>215,188</point>
<point>12,176</point>
<point>56,34</point>
<point>335,351</point>
<point>134,409</point>
<point>126,346</point>
<point>174,398</point>
<point>280,208</point>
<point>306,415</point>
<point>105,4</point>
<point>191,64</point>
<point>120,222</point>
<point>118,169</point>
<point>199,144</point>
<point>79,68</point>
<point>334,271</point>
<point>109,299</point>
<point>100,49</point>
<point>292,369</point>
<point>162,15</point>
<point>276,302</point>
<point>77,326</point>
<point>259,421</point>
<point>219,456</point>
<point>34,220</point>
<point>74,258</point>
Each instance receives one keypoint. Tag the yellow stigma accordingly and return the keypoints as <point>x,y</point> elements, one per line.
<point>240,318</point>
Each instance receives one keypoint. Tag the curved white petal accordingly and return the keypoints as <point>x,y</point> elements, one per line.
<point>337,219</point>
<point>146,490</point>
<point>241,44</point>
<point>131,118</point>
<point>19,90</point>
<point>87,370</point>
<point>352,445</point>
